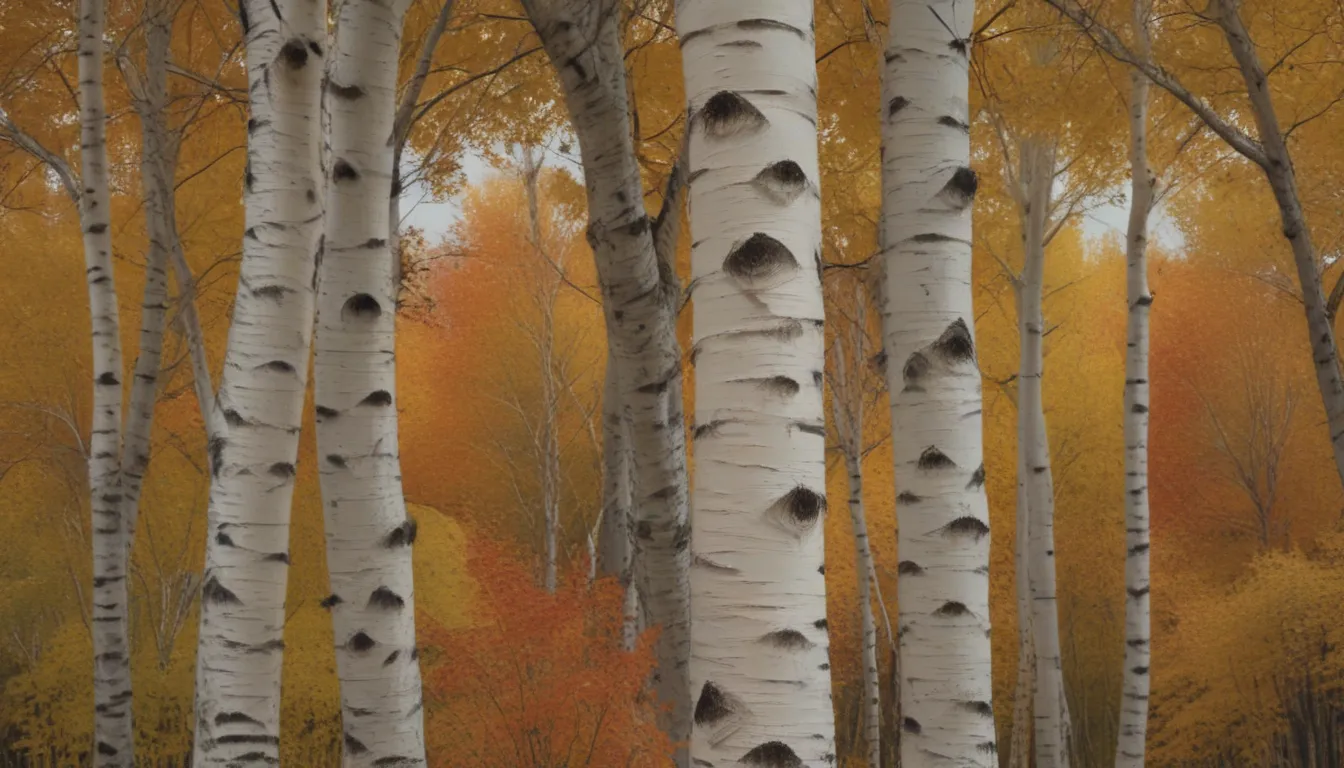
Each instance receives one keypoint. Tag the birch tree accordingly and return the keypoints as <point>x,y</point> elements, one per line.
<point>369,532</point>
<point>943,517</point>
<point>847,395</point>
<point>759,659</point>
<point>113,728</point>
<point>260,400</point>
<point>583,42</point>
<point>1268,150</point>
<point>1133,732</point>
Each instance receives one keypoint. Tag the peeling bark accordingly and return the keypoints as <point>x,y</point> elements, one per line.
<point>261,394</point>
<point>934,381</point>
<point>759,660</point>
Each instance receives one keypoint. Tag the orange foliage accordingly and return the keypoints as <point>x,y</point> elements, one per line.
<point>540,679</point>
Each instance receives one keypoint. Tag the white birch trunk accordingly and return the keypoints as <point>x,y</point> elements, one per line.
<point>847,410</point>
<point>583,42</point>
<point>1050,705</point>
<point>1133,730</point>
<point>928,324</point>
<point>1024,690</point>
<point>759,659</point>
<point>261,394</point>
<point>113,731</point>
<point>614,549</point>
<point>369,533</point>
<point>156,183</point>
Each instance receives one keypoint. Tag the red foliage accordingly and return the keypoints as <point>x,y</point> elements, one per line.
<point>541,679</point>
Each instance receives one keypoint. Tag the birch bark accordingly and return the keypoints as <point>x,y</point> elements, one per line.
<point>369,533</point>
<point>759,659</point>
<point>847,410</point>
<point>928,188</point>
<point>113,731</point>
<point>1050,706</point>
<point>1130,750</point>
<point>583,42</point>
<point>261,394</point>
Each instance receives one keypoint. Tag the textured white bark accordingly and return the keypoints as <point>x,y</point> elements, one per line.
<point>615,553</point>
<point>1133,731</point>
<point>151,98</point>
<point>113,731</point>
<point>847,410</point>
<point>759,659</point>
<point>369,533</point>
<point>261,393</point>
<point>1051,709</point>
<point>1024,690</point>
<point>583,42</point>
<point>928,324</point>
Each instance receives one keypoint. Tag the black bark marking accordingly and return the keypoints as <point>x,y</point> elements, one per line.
<point>391,658</point>
<point>1144,301</point>
<point>760,257</point>
<point>879,361</point>
<point>223,539</point>
<point>911,725</point>
<point>282,469</point>
<point>801,508</point>
<point>386,599</point>
<point>896,105</point>
<point>908,497</point>
<point>726,114</point>
<point>276,366</point>
<point>977,478</point>
<point>379,397</point>
<point>955,345</point>
<point>821,624</point>
<point>401,536</point>
<point>227,718</point>
<point>772,24</point>
<point>97,229</point>
<point>709,429</point>
<point>1138,549</point>
<point>960,190</point>
<point>787,639</point>
<point>1139,408</point>
<point>811,429</point>
<point>214,592</point>
<point>362,307</point>
<point>821,569</point>
<point>108,379</point>
<point>952,608</point>
<point>817,378</point>
<point>347,92</point>
<point>294,53</point>
<point>983,708</point>
<point>909,568</point>
<point>1139,670</point>
<point>354,746</point>
<point>343,171</point>
<point>916,367</point>
<point>331,601</point>
<point>953,122</point>
<point>713,705</point>
<point>274,292</point>
<point>360,642</point>
<point>336,461</point>
<point>1137,593</point>
<point>323,412</point>
<point>988,747</point>
<point>315,48</point>
<point>932,458</point>
<point>772,754</point>
<point>782,182</point>
<point>966,526</point>
<point>644,530</point>
<point>781,386</point>
<point>277,557</point>
<point>106,749</point>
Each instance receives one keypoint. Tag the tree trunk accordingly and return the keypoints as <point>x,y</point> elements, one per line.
<point>1133,730</point>
<point>1024,691</point>
<point>847,410</point>
<point>928,187</point>
<point>113,732</point>
<point>614,550</point>
<point>156,178</point>
<point>252,459</point>
<point>368,530</point>
<point>759,643</point>
<point>584,44</point>
<point>1051,707</point>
